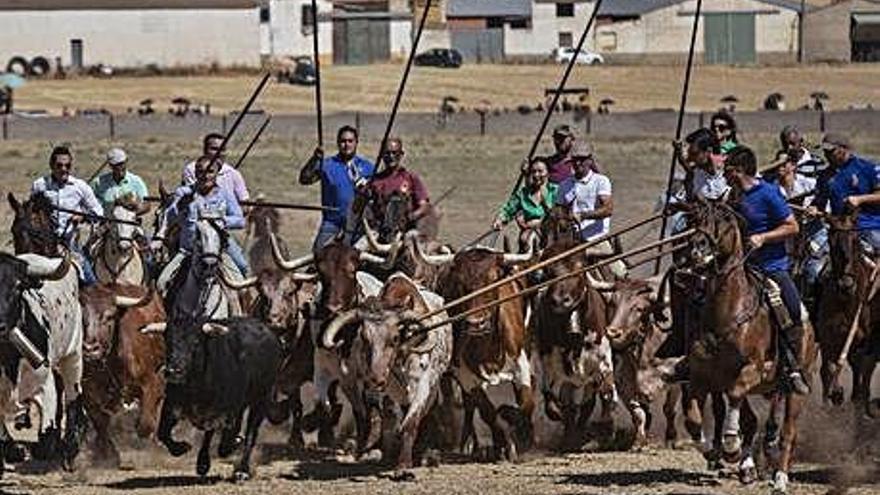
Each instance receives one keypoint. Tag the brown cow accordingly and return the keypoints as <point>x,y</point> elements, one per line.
<point>342,287</point>
<point>575,355</point>
<point>121,364</point>
<point>491,346</point>
<point>636,336</point>
<point>842,291</point>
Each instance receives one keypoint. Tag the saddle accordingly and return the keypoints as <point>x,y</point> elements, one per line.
<point>771,293</point>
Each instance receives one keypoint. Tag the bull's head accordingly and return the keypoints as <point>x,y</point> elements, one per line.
<point>101,313</point>
<point>337,265</point>
<point>635,305</point>
<point>284,297</point>
<point>185,345</point>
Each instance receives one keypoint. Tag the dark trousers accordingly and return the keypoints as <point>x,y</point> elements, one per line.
<point>790,296</point>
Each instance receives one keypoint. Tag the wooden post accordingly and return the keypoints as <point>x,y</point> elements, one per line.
<point>5,127</point>
<point>482,124</point>
<point>357,122</point>
<point>112,123</point>
<point>223,123</point>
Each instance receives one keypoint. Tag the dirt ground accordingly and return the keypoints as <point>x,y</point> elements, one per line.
<point>371,88</point>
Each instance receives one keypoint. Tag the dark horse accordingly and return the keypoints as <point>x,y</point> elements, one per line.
<point>33,228</point>
<point>845,286</point>
<point>737,351</point>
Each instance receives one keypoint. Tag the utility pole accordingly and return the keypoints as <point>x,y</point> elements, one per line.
<point>800,55</point>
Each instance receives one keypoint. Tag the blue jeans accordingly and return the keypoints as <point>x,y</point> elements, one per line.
<point>870,239</point>
<point>326,233</point>
<point>233,249</point>
<point>818,252</point>
<point>87,275</point>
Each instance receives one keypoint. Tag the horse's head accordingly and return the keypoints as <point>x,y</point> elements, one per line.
<point>717,236</point>
<point>34,225</point>
<point>209,243</point>
<point>559,225</point>
<point>846,253</point>
<point>124,235</point>
<point>397,214</point>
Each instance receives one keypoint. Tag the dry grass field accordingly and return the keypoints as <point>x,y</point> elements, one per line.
<point>371,88</point>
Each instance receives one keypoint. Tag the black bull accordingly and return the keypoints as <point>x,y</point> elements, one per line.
<point>227,366</point>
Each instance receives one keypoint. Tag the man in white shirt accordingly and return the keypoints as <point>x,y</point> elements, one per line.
<point>64,190</point>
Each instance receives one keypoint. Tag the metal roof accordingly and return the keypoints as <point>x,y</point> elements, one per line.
<point>635,8</point>
<point>125,4</point>
<point>489,8</point>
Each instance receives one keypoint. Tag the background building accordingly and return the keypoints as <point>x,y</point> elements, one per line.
<point>846,31</point>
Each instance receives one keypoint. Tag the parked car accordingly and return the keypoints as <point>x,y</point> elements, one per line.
<point>564,55</point>
<point>302,73</point>
<point>439,57</point>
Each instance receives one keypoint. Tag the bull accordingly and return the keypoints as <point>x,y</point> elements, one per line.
<point>407,371</point>
<point>490,346</point>
<point>343,286</point>
<point>121,364</point>
<point>42,322</point>
<point>574,351</point>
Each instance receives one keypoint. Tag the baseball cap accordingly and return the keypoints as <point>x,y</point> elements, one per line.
<point>116,156</point>
<point>833,140</point>
<point>582,150</point>
<point>563,130</point>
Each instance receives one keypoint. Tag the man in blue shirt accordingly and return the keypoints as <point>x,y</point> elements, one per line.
<point>341,176</point>
<point>769,222</point>
<point>851,182</point>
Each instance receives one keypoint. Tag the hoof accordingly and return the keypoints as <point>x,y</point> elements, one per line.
<point>241,476</point>
<point>402,475</point>
<point>780,483</point>
<point>177,449</point>
<point>731,446</point>
<point>748,473</point>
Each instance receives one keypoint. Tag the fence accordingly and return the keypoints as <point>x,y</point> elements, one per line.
<point>617,125</point>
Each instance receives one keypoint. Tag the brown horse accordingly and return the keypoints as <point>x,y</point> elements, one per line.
<point>33,228</point>
<point>847,284</point>
<point>737,351</point>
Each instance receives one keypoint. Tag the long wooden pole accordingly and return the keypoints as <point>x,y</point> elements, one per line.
<point>240,116</point>
<point>680,123</point>
<point>547,283</point>
<point>844,353</point>
<point>254,140</point>
<point>559,87</point>
<point>265,204</point>
<point>549,261</point>
<point>317,57</point>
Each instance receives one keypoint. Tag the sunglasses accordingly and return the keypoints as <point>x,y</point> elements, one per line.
<point>65,166</point>
<point>720,127</point>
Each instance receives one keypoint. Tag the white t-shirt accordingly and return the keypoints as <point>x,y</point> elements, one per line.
<point>709,186</point>
<point>583,195</point>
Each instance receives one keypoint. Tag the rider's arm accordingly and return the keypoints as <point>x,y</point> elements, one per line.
<point>604,209</point>
<point>788,228</point>
<point>88,201</point>
<point>234,218</point>
<point>311,171</point>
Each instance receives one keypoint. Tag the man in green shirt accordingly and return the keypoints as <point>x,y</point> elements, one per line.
<point>118,183</point>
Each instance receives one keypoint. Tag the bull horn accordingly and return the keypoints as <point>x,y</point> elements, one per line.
<point>133,302</point>
<point>372,258</point>
<point>156,327</point>
<point>46,268</point>
<point>869,262</point>
<point>214,329</point>
<point>431,259</point>
<point>238,284</point>
<point>337,324</point>
<point>599,285</point>
<point>284,264</point>
<point>510,258</point>
<point>305,277</point>
<point>373,238</point>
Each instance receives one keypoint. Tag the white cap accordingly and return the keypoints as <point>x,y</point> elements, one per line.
<point>116,156</point>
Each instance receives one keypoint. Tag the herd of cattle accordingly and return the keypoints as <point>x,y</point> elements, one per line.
<point>210,346</point>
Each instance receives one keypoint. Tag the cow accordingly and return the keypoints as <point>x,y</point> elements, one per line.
<point>342,287</point>
<point>215,369</point>
<point>42,322</point>
<point>387,362</point>
<point>121,364</point>
<point>117,255</point>
<point>574,352</point>
<point>491,346</point>
<point>635,335</point>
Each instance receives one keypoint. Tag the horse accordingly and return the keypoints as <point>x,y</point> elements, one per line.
<point>738,350</point>
<point>117,253</point>
<point>34,226</point>
<point>847,284</point>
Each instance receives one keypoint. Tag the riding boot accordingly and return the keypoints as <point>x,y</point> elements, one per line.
<point>793,359</point>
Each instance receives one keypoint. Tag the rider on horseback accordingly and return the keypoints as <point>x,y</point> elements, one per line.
<point>530,203</point>
<point>64,190</point>
<point>397,179</point>
<point>768,223</point>
<point>204,199</point>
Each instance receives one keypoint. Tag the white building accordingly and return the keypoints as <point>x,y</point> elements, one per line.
<point>130,33</point>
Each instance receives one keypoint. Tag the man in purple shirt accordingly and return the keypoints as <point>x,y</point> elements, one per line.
<point>559,166</point>
<point>229,178</point>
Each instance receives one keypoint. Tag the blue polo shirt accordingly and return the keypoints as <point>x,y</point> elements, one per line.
<point>338,185</point>
<point>764,208</point>
<point>854,178</point>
